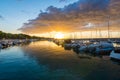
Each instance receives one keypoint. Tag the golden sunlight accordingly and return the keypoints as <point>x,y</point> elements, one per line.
<point>59,35</point>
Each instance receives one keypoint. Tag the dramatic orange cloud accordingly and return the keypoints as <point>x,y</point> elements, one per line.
<point>80,16</point>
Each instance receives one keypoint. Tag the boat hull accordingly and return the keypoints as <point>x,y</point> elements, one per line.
<point>114,55</point>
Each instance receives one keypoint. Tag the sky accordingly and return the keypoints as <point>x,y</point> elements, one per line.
<point>14,13</point>
<point>68,16</point>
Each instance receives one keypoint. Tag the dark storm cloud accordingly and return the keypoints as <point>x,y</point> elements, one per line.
<point>75,17</point>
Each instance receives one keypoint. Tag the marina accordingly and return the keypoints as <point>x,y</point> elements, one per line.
<point>101,47</point>
<point>14,42</point>
<point>93,47</point>
<point>59,39</point>
<point>46,60</point>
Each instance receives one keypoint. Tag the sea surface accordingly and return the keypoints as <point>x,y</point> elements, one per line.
<point>44,60</point>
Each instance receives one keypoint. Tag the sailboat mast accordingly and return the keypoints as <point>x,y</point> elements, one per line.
<point>108,27</point>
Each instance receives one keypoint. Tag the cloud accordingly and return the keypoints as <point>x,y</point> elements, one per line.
<point>25,12</point>
<point>73,17</point>
<point>1,17</point>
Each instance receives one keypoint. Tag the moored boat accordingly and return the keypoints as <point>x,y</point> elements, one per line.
<point>1,46</point>
<point>115,55</point>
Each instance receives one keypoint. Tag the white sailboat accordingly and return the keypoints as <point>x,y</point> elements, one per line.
<point>115,55</point>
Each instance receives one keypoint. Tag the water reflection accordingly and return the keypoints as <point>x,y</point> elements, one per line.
<point>45,60</point>
<point>81,65</point>
<point>87,55</point>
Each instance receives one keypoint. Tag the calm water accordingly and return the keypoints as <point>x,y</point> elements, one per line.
<point>45,60</point>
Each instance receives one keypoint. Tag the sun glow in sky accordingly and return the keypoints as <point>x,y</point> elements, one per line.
<point>77,18</point>
<point>59,35</point>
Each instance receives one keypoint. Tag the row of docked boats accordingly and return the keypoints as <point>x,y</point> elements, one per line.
<point>8,43</point>
<point>92,47</point>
